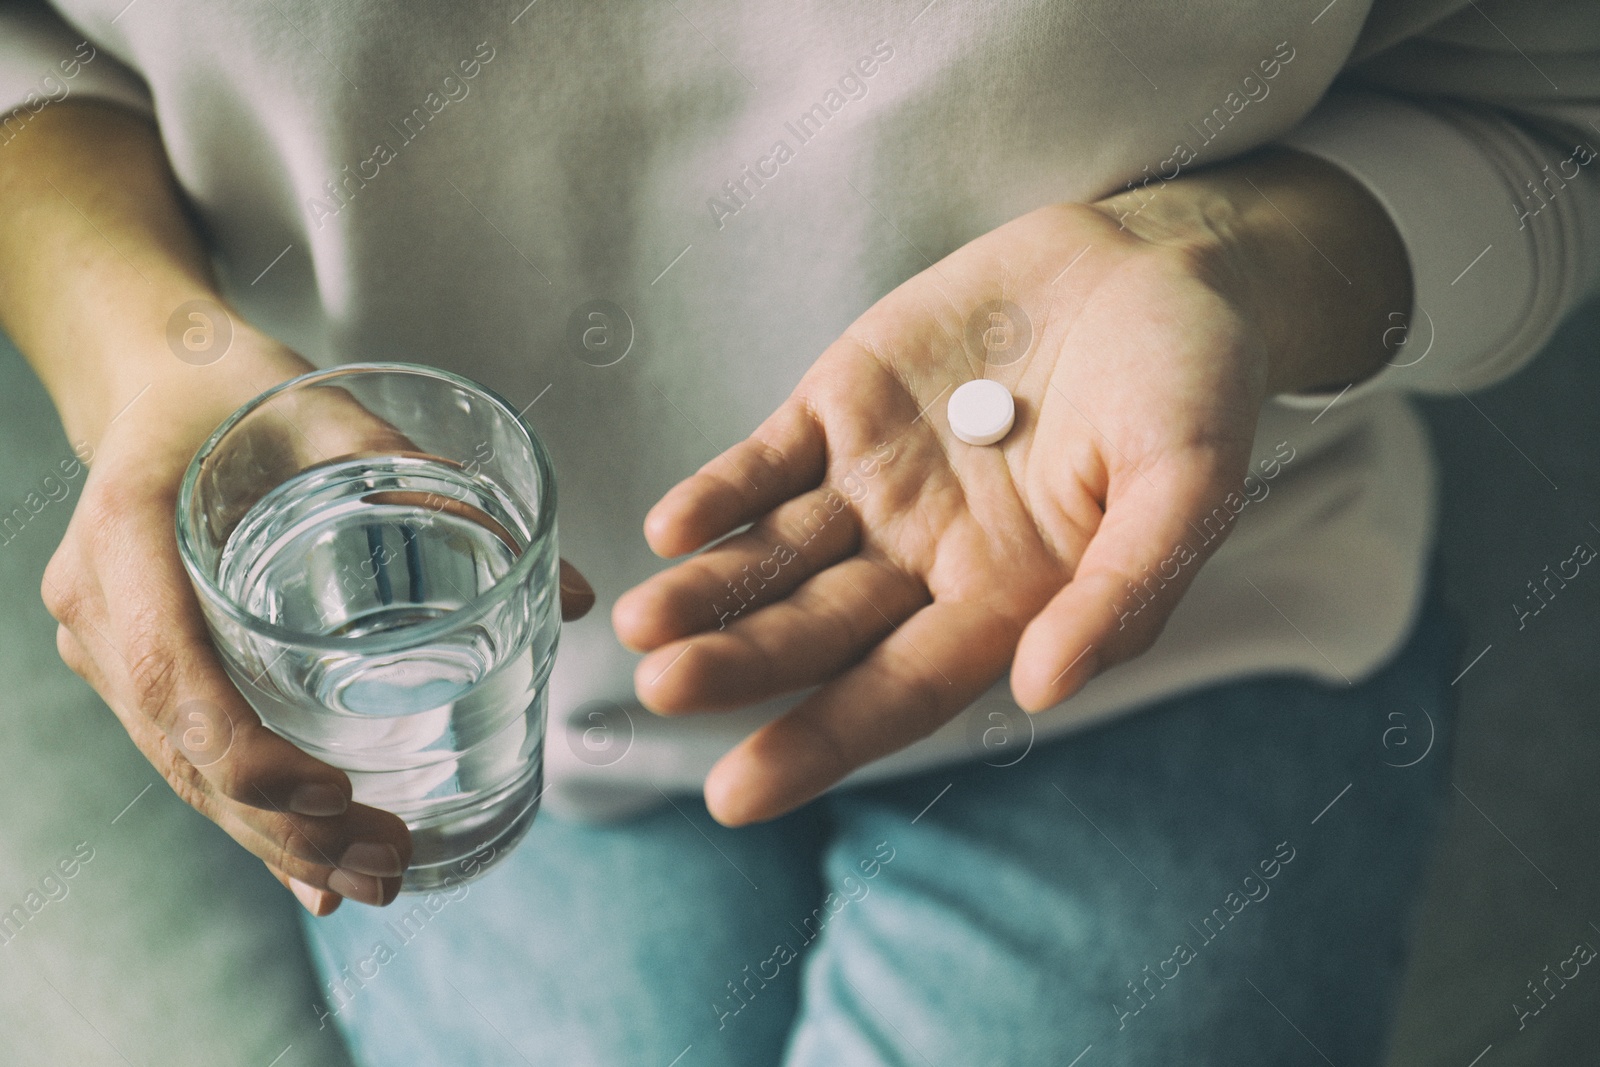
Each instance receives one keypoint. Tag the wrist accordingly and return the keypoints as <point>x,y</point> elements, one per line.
<point>1300,247</point>
<point>154,386</point>
<point>105,286</point>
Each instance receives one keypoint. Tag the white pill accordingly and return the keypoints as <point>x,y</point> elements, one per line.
<point>981,412</point>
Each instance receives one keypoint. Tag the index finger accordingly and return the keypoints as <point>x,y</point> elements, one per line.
<point>784,457</point>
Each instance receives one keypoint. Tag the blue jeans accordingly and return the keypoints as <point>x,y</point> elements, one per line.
<point>1226,877</point>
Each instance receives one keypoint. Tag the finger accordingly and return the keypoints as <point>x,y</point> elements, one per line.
<point>327,422</point>
<point>820,630</point>
<point>359,841</point>
<point>178,706</point>
<point>764,564</point>
<point>941,660</point>
<point>1159,527</point>
<point>784,457</point>
<point>356,853</point>
<point>318,902</point>
<point>366,844</point>
<point>362,888</point>
<point>302,429</point>
<point>577,595</point>
<point>362,840</point>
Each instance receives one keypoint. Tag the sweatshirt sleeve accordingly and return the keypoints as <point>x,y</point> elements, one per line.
<point>1480,135</point>
<point>44,61</point>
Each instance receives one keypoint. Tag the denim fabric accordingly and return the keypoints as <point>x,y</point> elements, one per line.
<point>1226,877</point>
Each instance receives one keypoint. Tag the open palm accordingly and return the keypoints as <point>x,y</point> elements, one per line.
<point>903,570</point>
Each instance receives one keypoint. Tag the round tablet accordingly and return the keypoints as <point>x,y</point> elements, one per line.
<point>981,412</point>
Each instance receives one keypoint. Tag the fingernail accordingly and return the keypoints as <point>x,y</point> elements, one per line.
<point>314,798</point>
<point>309,896</point>
<point>368,857</point>
<point>362,887</point>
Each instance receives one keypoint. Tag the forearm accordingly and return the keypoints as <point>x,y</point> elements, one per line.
<point>1308,252</point>
<point>96,254</point>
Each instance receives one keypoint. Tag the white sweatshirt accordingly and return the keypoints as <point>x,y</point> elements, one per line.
<point>450,183</point>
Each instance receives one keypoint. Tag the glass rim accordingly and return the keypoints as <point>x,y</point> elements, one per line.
<point>389,640</point>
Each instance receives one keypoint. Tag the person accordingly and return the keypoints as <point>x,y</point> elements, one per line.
<point>1121,738</point>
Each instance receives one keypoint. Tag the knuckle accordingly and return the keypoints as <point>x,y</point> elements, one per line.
<point>186,781</point>
<point>923,710</point>
<point>296,846</point>
<point>114,514</point>
<point>926,699</point>
<point>63,591</point>
<point>153,677</point>
<point>768,456</point>
<point>840,628</point>
<point>103,512</point>
<point>280,857</point>
<point>726,479</point>
<point>810,532</point>
<point>70,651</point>
<point>831,747</point>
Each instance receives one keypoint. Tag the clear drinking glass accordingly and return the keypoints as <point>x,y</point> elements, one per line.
<point>374,548</point>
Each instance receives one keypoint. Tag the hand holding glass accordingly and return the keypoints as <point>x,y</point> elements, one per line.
<point>374,548</point>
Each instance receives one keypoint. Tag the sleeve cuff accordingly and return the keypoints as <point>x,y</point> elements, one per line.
<point>44,61</point>
<point>1494,269</point>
